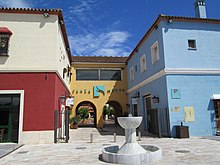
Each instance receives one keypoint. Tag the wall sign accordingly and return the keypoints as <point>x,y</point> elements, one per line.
<point>134,101</point>
<point>175,94</point>
<point>189,114</point>
<point>98,89</point>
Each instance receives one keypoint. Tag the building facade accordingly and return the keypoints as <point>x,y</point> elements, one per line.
<point>175,70</point>
<point>97,82</point>
<point>34,72</point>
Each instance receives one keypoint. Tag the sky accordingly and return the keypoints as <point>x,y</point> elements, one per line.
<point>112,27</point>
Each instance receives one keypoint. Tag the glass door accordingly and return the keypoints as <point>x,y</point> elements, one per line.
<point>9,117</point>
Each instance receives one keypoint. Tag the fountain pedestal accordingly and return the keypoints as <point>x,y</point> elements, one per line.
<point>131,152</point>
<point>130,146</point>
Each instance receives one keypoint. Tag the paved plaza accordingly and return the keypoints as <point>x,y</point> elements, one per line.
<point>79,150</point>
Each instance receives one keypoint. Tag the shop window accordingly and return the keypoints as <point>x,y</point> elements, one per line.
<point>5,35</point>
<point>110,75</point>
<point>155,53</point>
<point>87,74</point>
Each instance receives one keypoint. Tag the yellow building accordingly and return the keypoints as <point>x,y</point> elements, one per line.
<point>98,82</point>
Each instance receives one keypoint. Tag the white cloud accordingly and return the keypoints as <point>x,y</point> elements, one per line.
<point>83,11</point>
<point>103,44</point>
<point>15,3</point>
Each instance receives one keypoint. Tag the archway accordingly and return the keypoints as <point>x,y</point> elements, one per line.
<point>117,112</point>
<point>91,118</point>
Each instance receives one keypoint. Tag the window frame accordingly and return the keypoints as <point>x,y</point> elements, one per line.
<point>193,41</point>
<point>155,55</point>
<point>4,51</point>
<point>131,73</point>
<point>143,64</point>
<point>99,73</point>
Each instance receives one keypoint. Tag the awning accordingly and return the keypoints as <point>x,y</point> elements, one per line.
<point>5,30</point>
<point>215,97</point>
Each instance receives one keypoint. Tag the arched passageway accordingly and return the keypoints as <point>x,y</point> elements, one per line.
<point>90,118</point>
<point>115,111</point>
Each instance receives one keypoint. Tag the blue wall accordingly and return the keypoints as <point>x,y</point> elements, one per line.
<point>145,48</point>
<point>196,91</point>
<point>176,51</point>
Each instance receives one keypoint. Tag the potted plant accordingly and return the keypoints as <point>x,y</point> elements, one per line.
<point>84,114</point>
<point>74,121</point>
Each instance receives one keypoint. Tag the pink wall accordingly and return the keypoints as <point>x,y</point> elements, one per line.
<point>41,93</point>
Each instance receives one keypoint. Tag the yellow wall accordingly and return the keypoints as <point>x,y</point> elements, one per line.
<point>79,90</point>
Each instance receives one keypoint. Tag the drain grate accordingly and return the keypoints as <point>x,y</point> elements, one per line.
<point>182,151</point>
<point>22,152</point>
<point>106,144</point>
<point>80,148</point>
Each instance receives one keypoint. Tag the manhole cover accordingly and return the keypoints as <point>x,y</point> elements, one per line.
<point>80,148</point>
<point>22,152</point>
<point>106,144</point>
<point>182,151</point>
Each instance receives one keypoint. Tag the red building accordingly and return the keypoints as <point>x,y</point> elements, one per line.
<point>34,72</point>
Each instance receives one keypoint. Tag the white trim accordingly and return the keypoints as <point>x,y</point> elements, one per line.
<point>170,71</point>
<point>146,81</point>
<point>21,92</point>
<point>191,71</point>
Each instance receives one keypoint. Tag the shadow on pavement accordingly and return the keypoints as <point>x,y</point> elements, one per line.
<point>7,148</point>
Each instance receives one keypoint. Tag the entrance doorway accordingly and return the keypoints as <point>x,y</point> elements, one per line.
<point>217,116</point>
<point>90,117</point>
<point>9,117</point>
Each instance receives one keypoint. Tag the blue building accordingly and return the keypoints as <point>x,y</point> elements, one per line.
<point>174,75</point>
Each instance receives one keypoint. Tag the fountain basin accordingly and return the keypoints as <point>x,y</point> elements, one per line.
<point>129,122</point>
<point>153,154</point>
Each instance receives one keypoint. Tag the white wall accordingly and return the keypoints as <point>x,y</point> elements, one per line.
<point>35,46</point>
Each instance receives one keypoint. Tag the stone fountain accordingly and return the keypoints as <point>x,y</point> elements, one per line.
<point>131,152</point>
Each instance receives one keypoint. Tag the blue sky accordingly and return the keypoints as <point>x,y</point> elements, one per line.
<point>112,27</point>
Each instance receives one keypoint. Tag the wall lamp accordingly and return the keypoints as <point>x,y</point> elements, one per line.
<point>46,15</point>
<point>170,21</point>
<point>136,95</point>
<point>155,99</point>
<point>62,99</point>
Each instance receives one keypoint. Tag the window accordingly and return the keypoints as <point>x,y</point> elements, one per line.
<point>132,73</point>
<point>110,75</point>
<point>155,53</point>
<point>85,74</point>
<point>98,74</point>
<point>191,44</point>
<point>143,63</point>
<point>5,35</point>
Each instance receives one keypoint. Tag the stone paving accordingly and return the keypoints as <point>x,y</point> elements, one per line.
<point>79,150</point>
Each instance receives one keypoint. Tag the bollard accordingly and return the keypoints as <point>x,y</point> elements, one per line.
<point>91,138</point>
<point>114,137</point>
<point>139,136</point>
